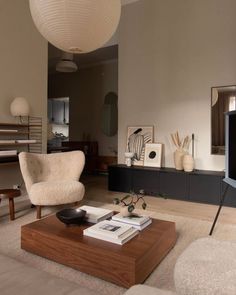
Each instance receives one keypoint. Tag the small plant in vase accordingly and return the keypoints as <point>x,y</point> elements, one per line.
<point>129,202</point>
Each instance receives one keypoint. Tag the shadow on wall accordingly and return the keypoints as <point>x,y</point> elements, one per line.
<point>110,114</point>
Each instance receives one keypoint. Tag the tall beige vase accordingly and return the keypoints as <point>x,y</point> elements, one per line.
<point>188,163</point>
<point>178,159</point>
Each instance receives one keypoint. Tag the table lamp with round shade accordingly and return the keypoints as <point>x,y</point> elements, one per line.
<point>76,26</point>
<point>20,107</point>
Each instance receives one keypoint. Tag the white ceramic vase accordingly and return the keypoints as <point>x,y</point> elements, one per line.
<point>178,159</point>
<point>129,158</point>
<point>188,163</point>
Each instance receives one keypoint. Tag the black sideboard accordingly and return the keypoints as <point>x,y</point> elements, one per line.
<point>198,186</point>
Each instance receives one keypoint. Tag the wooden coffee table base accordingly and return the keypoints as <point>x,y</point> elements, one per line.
<point>123,265</point>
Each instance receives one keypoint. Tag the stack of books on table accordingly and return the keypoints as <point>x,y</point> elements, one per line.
<point>137,221</point>
<point>95,215</point>
<point>111,231</point>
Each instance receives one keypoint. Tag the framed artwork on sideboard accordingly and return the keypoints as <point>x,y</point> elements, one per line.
<point>137,138</point>
<point>153,155</point>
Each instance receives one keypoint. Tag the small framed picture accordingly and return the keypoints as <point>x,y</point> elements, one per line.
<point>137,137</point>
<point>153,154</point>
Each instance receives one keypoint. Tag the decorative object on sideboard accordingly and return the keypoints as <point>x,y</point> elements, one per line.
<point>188,163</point>
<point>188,159</point>
<point>129,159</point>
<point>129,202</point>
<point>153,155</point>
<point>20,108</point>
<point>137,137</point>
<point>181,147</point>
<point>76,26</point>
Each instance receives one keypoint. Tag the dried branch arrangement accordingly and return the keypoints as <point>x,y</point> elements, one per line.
<point>180,144</point>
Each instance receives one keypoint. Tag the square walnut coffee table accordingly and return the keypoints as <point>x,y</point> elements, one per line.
<point>123,265</point>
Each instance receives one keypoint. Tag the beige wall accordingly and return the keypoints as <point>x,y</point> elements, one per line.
<point>23,70</point>
<point>170,54</point>
<point>86,90</point>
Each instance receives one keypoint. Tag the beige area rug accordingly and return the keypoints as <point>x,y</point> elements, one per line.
<point>188,230</point>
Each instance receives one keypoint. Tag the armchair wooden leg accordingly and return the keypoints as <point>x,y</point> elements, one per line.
<point>38,208</point>
<point>12,208</point>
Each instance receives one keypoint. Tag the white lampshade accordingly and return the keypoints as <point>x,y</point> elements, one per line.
<point>19,107</point>
<point>76,26</point>
<point>66,64</point>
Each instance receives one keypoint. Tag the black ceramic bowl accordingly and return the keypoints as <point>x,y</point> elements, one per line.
<point>71,216</point>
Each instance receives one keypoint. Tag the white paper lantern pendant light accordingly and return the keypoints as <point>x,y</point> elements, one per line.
<point>76,26</point>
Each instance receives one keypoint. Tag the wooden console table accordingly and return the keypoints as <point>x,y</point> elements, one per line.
<point>198,186</point>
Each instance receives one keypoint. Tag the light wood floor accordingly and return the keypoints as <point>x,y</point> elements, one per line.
<point>96,190</point>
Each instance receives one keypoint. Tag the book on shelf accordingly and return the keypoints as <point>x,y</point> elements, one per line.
<point>8,130</point>
<point>7,141</point>
<point>8,153</point>
<point>95,215</point>
<point>26,141</point>
<point>133,219</point>
<point>111,231</point>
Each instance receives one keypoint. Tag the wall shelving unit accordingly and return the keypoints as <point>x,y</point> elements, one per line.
<point>12,135</point>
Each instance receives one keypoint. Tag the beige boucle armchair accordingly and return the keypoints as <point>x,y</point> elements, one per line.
<point>52,179</point>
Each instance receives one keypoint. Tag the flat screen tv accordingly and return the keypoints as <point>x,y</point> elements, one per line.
<point>230,148</point>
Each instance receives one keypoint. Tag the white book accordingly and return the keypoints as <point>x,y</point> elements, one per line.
<point>112,229</point>
<point>122,241</point>
<point>8,152</point>
<point>26,141</point>
<point>142,226</point>
<point>134,219</point>
<point>95,215</point>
